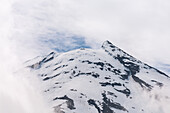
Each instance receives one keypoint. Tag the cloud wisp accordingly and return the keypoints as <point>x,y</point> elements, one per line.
<point>28,28</point>
<point>139,27</point>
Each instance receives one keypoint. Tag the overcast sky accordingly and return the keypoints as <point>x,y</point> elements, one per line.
<point>139,27</point>
<point>31,27</point>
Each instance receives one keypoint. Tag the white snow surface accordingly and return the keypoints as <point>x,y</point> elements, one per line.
<point>107,80</point>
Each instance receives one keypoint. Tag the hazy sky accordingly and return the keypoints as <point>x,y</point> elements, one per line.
<point>32,27</point>
<point>139,27</point>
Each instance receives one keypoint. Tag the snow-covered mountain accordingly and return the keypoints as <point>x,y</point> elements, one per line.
<point>107,80</point>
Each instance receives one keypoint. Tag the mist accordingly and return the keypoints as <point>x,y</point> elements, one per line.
<point>139,27</point>
<point>17,93</point>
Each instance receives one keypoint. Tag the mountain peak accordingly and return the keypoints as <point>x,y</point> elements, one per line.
<point>112,49</point>
<point>107,43</point>
<point>97,81</point>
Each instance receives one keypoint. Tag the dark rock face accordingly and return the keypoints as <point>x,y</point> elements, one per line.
<point>126,60</point>
<point>47,78</point>
<point>142,83</point>
<point>110,104</point>
<point>133,68</point>
<point>93,103</point>
<point>69,101</point>
<point>125,91</point>
<point>111,84</point>
<point>107,105</point>
<point>158,83</point>
<point>101,81</point>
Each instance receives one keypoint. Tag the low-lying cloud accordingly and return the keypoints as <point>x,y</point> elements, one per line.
<point>139,27</point>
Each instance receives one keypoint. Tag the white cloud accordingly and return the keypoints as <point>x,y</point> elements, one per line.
<point>17,95</point>
<point>139,27</point>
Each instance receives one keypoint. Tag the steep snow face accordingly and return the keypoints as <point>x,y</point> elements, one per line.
<point>98,81</point>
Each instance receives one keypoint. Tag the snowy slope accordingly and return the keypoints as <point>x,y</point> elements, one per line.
<point>107,80</point>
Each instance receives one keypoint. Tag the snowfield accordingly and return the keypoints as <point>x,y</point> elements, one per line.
<point>107,80</point>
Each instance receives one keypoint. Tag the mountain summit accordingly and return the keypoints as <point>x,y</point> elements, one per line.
<point>107,80</point>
